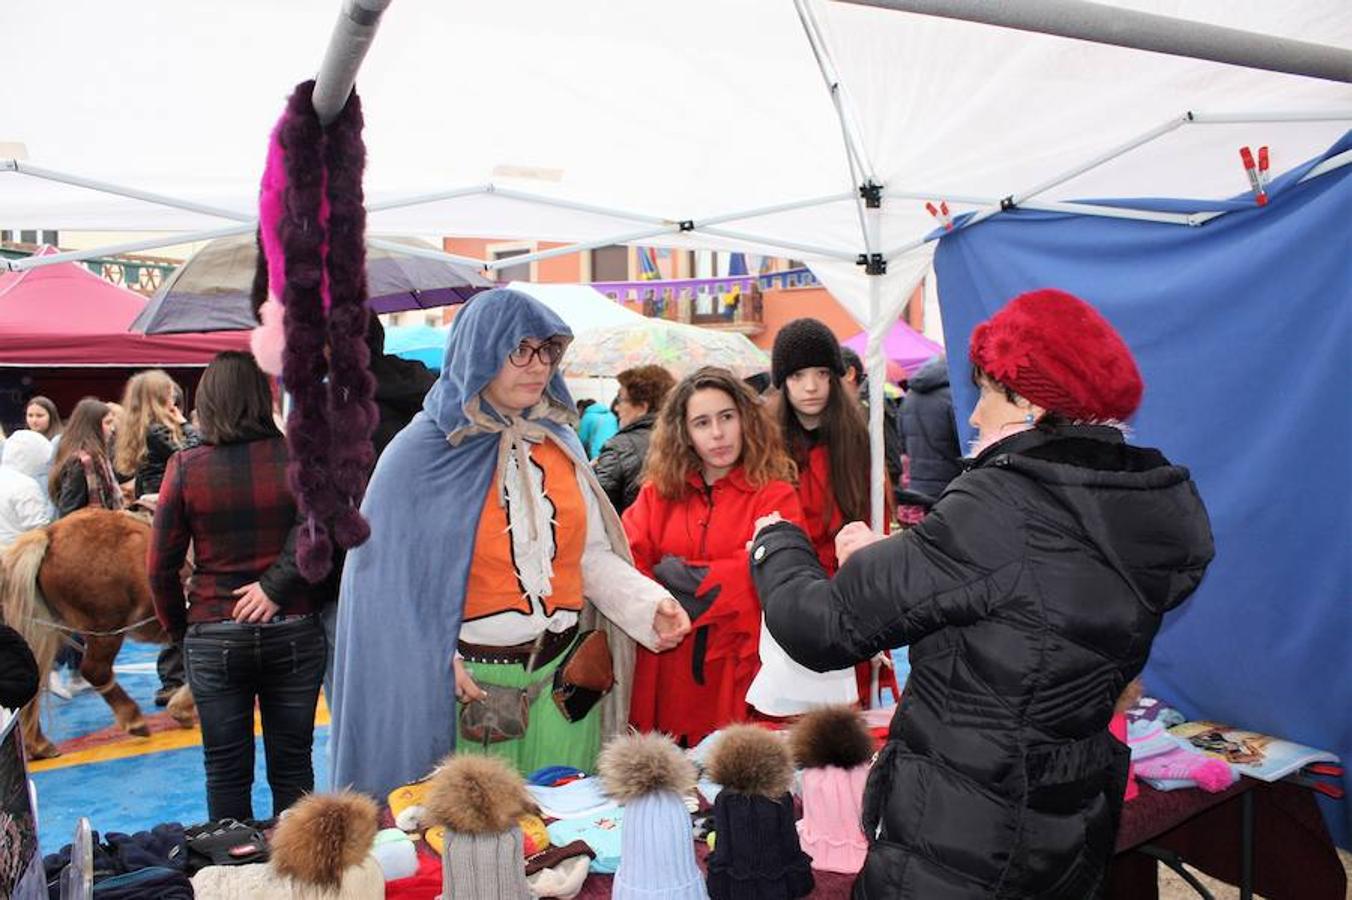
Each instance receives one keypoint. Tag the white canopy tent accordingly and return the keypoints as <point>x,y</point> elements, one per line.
<point>744,125</point>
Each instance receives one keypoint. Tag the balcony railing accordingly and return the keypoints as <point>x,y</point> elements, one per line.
<point>733,301</point>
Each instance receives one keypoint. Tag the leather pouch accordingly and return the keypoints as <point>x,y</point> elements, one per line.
<point>585,675</point>
<point>503,715</point>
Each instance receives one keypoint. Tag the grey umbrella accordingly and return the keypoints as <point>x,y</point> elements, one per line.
<point>210,291</point>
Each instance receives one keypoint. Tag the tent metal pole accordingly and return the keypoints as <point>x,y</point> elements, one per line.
<point>510,261</point>
<point>910,194</point>
<point>421,199</point>
<point>877,371</point>
<point>1109,212</point>
<point>37,262</point>
<point>770,210</point>
<point>106,187</point>
<point>543,200</point>
<point>1107,156</point>
<point>425,252</point>
<point>854,147</point>
<point>775,242</point>
<point>351,38</point>
<point>1328,165</point>
<point>1325,115</point>
<point>1103,24</point>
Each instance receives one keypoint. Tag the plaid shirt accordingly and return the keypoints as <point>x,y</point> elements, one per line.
<point>232,503</point>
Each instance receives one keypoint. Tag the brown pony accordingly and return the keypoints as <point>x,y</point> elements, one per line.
<point>86,571</point>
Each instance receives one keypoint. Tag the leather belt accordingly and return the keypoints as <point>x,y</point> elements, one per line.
<point>550,645</point>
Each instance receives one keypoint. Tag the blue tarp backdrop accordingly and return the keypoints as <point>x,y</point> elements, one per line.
<point>1243,332</point>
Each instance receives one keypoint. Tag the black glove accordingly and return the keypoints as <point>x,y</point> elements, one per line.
<point>683,580</point>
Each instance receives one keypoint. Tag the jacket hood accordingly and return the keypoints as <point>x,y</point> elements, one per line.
<point>642,423</point>
<point>1140,511</point>
<point>487,330</point>
<point>27,452</point>
<point>931,376</point>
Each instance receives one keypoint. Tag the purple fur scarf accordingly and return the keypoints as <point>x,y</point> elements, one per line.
<point>321,235</point>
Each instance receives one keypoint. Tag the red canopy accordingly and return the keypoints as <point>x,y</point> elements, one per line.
<point>64,315</point>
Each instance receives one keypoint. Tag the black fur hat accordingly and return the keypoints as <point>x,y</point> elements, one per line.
<point>803,344</point>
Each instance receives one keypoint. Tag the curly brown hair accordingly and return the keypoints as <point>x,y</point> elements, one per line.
<point>646,384</point>
<point>672,456</point>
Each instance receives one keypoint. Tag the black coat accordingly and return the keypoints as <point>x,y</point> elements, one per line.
<point>619,465</point>
<point>160,445</point>
<point>931,435</point>
<point>18,670</point>
<point>1029,596</point>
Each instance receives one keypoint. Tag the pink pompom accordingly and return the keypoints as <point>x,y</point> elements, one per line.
<point>268,340</point>
<point>350,529</point>
<point>1213,775</point>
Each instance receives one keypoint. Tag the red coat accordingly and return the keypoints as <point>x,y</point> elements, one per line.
<point>707,527</point>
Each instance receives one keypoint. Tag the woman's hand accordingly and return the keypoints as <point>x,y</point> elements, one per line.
<point>671,624</point>
<point>466,691</point>
<point>764,522</point>
<point>253,605</point>
<point>854,536</point>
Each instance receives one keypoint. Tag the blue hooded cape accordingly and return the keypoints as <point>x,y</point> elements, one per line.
<point>403,591</point>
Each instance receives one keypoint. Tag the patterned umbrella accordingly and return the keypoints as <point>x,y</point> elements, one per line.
<point>680,349</point>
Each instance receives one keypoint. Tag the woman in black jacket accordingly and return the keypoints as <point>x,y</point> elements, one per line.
<point>1030,597</point>
<point>619,465</point>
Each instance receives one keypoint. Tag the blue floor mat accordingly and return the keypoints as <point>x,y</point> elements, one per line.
<point>138,792</point>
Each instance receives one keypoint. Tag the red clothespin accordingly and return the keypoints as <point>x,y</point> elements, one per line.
<point>1263,176</point>
<point>1250,169</point>
<point>941,213</point>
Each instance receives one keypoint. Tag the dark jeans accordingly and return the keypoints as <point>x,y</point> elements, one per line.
<point>169,665</point>
<point>281,665</point>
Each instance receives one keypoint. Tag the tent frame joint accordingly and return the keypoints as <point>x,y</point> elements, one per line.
<point>1008,203</point>
<point>872,194</point>
<point>686,225</point>
<point>873,263</point>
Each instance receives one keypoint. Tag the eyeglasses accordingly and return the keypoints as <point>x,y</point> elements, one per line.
<point>549,353</point>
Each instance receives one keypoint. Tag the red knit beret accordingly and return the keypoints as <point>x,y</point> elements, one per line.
<point>1057,351</point>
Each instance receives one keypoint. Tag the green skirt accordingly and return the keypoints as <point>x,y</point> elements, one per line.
<point>551,740</point>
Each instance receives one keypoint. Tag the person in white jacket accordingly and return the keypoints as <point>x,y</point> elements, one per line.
<point>23,504</point>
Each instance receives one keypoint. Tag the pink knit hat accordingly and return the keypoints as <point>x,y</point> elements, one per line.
<point>833,747</point>
<point>829,831</point>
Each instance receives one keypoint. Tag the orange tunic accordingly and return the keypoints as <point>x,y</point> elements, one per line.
<point>493,586</point>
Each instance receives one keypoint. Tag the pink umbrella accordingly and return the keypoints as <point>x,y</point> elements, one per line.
<point>905,349</point>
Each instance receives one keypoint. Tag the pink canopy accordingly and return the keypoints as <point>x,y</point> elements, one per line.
<point>64,315</point>
<point>904,347</point>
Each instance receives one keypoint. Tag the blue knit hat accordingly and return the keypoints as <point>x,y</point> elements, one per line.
<point>650,775</point>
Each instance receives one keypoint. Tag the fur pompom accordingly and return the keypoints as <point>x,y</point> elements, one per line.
<point>634,765</point>
<point>831,736</point>
<point>751,760</point>
<point>474,794</point>
<point>268,341</point>
<point>322,836</point>
<point>350,529</point>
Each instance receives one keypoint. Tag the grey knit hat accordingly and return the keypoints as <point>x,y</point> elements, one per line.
<point>484,867</point>
<point>480,799</point>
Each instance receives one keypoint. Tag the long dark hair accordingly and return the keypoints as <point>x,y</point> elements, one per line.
<point>84,431</point>
<point>843,430</point>
<point>234,401</point>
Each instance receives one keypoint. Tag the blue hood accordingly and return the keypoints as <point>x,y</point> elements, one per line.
<point>486,331</point>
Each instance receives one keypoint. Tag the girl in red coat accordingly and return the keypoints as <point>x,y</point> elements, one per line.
<point>716,464</point>
<point>827,438</point>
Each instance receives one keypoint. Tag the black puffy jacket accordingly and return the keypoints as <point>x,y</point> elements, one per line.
<point>619,465</point>
<point>1029,597</point>
<point>931,435</point>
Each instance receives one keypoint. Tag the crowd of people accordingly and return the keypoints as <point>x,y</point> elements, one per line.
<point>536,582</point>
